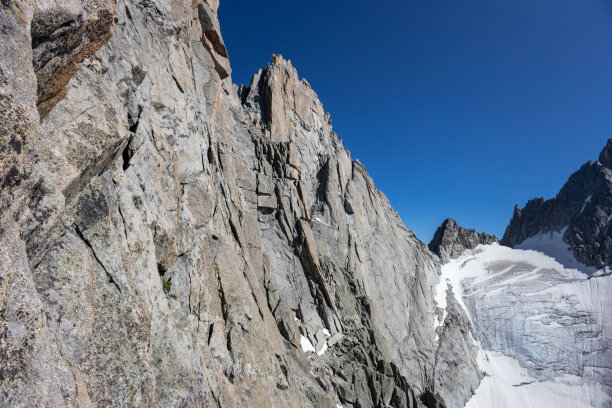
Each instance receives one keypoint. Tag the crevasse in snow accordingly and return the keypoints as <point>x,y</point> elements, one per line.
<point>543,329</point>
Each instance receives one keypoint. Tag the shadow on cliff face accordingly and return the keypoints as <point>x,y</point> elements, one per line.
<point>61,39</point>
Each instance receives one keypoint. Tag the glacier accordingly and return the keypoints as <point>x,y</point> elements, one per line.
<point>551,243</point>
<point>542,325</point>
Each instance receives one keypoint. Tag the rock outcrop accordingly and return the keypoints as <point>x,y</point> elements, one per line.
<point>583,208</point>
<point>605,157</point>
<point>457,374</point>
<point>63,35</point>
<point>450,240</point>
<point>168,239</point>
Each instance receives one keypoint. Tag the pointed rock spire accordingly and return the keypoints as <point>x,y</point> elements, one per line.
<point>451,240</point>
<point>605,157</point>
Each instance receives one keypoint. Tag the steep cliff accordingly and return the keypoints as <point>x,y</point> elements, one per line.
<point>171,240</point>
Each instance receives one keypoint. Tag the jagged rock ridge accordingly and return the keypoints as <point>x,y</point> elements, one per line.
<point>583,206</point>
<point>171,240</point>
<point>451,240</point>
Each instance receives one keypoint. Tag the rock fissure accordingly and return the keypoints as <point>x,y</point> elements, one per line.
<point>111,280</point>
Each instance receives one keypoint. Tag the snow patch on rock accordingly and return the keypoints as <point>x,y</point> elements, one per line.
<point>306,345</point>
<point>323,349</point>
<point>586,201</point>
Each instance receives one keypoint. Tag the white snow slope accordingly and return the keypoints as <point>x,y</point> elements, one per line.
<point>551,244</point>
<point>544,331</point>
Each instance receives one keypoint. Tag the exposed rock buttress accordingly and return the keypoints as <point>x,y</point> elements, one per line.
<point>450,240</point>
<point>170,240</point>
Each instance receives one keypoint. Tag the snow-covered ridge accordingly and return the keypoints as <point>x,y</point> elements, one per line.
<point>544,331</point>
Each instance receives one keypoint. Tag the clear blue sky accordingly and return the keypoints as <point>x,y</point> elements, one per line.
<point>457,108</point>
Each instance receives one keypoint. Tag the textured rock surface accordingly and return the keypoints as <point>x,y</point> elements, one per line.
<point>605,157</point>
<point>583,205</point>
<point>457,374</point>
<point>170,240</point>
<point>450,240</point>
<point>64,34</point>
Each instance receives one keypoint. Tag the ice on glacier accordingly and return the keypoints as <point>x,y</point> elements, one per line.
<point>551,243</point>
<point>544,330</point>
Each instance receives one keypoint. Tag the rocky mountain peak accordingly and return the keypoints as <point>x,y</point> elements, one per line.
<point>605,157</point>
<point>581,211</point>
<point>277,96</point>
<point>451,240</point>
<point>278,59</point>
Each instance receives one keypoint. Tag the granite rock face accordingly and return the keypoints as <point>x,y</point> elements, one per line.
<point>450,240</point>
<point>168,239</point>
<point>583,206</point>
<point>64,34</point>
<point>457,374</point>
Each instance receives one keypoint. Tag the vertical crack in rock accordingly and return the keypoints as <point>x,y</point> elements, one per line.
<point>79,233</point>
<point>311,259</point>
<point>126,155</point>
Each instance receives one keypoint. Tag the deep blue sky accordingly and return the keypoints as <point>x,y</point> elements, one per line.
<point>457,108</point>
